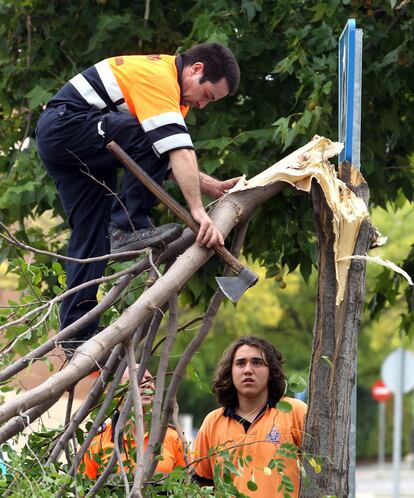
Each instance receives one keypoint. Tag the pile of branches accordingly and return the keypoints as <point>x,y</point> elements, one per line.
<point>128,343</point>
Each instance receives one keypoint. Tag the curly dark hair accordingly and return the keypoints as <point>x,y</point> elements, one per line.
<point>219,62</point>
<point>223,383</point>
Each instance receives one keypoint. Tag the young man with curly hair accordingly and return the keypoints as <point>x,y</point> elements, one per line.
<point>249,383</point>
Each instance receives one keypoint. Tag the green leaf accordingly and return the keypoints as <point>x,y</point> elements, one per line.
<point>315,465</point>
<point>297,384</point>
<point>57,268</point>
<point>210,165</point>
<point>202,386</point>
<point>320,11</point>
<point>38,96</point>
<point>62,279</point>
<point>252,486</point>
<point>215,143</point>
<point>284,406</point>
<point>232,468</point>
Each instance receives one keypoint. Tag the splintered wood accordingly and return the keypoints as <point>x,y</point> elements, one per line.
<point>299,169</point>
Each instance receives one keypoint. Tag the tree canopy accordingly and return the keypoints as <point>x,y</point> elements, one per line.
<point>288,57</point>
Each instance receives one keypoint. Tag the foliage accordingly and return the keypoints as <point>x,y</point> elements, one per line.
<point>288,56</point>
<point>20,474</point>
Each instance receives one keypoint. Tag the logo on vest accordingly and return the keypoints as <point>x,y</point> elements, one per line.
<point>273,436</point>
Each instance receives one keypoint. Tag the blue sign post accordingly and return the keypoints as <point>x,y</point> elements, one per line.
<point>349,133</point>
<point>350,79</point>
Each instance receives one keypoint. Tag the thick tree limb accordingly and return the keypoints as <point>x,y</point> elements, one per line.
<point>19,423</point>
<point>173,249</point>
<point>87,356</point>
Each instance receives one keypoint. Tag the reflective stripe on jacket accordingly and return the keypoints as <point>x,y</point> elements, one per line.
<point>148,86</point>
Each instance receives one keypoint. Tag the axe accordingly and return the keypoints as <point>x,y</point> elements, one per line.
<point>232,287</point>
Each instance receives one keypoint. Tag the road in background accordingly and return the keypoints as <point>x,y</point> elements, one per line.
<point>371,482</point>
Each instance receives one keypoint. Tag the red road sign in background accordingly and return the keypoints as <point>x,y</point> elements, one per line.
<point>380,392</point>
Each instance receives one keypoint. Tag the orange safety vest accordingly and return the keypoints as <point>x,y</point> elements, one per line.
<point>147,86</point>
<point>261,442</point>
<point>102,447</point>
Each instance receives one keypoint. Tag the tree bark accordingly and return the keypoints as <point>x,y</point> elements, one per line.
<point>334,351</point>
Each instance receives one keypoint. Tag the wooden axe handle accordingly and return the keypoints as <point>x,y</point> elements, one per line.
<point>169,201</point>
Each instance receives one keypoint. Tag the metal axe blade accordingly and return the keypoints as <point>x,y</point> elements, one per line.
<point>235,287</point>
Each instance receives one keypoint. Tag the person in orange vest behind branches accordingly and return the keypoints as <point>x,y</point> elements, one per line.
<point>102,445</point>
<point>249,382</point>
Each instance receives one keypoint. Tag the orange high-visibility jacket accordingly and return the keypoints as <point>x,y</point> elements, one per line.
<point>261,442</point>
<point>148,86</point>
<point>102,447</point>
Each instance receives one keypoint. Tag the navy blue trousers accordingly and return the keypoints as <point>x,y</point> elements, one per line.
<point>72,145</point>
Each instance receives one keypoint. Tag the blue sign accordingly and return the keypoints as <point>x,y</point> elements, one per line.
<point>350,76</point>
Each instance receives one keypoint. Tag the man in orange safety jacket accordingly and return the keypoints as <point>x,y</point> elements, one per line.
<point>139,101</point>
<point>102,445</point>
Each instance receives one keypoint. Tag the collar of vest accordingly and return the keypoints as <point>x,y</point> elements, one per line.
<point>179,64</point>
<point>229,411</point>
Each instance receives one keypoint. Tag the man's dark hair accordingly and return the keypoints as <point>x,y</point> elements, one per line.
<point>223,383</point>
<point>219,62</point>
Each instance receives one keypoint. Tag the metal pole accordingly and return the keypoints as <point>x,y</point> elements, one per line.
<point>352,436</point>
<point>349,133</point>
<point>381,435</point>
<point>412,434</point>
<point>398,398</point>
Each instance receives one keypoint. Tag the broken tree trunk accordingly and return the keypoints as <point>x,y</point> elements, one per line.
<point>334,352</point>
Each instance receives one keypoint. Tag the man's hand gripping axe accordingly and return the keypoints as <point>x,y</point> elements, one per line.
<point>232,287</point>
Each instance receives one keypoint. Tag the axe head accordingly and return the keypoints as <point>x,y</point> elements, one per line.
<point>235,287</point>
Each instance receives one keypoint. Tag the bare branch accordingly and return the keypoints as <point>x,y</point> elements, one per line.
<point>177,425</point>
<point>157,432</point>
<point>87,405</point>
<point>101,415</point>
<point>139,421</point>
<point>211,312</point>
<point>11,239</point>
<point>179,329</point>
<point>65,294</point>
<point>155,323</point>
<point>71,392</point>
<point>75,327</point>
